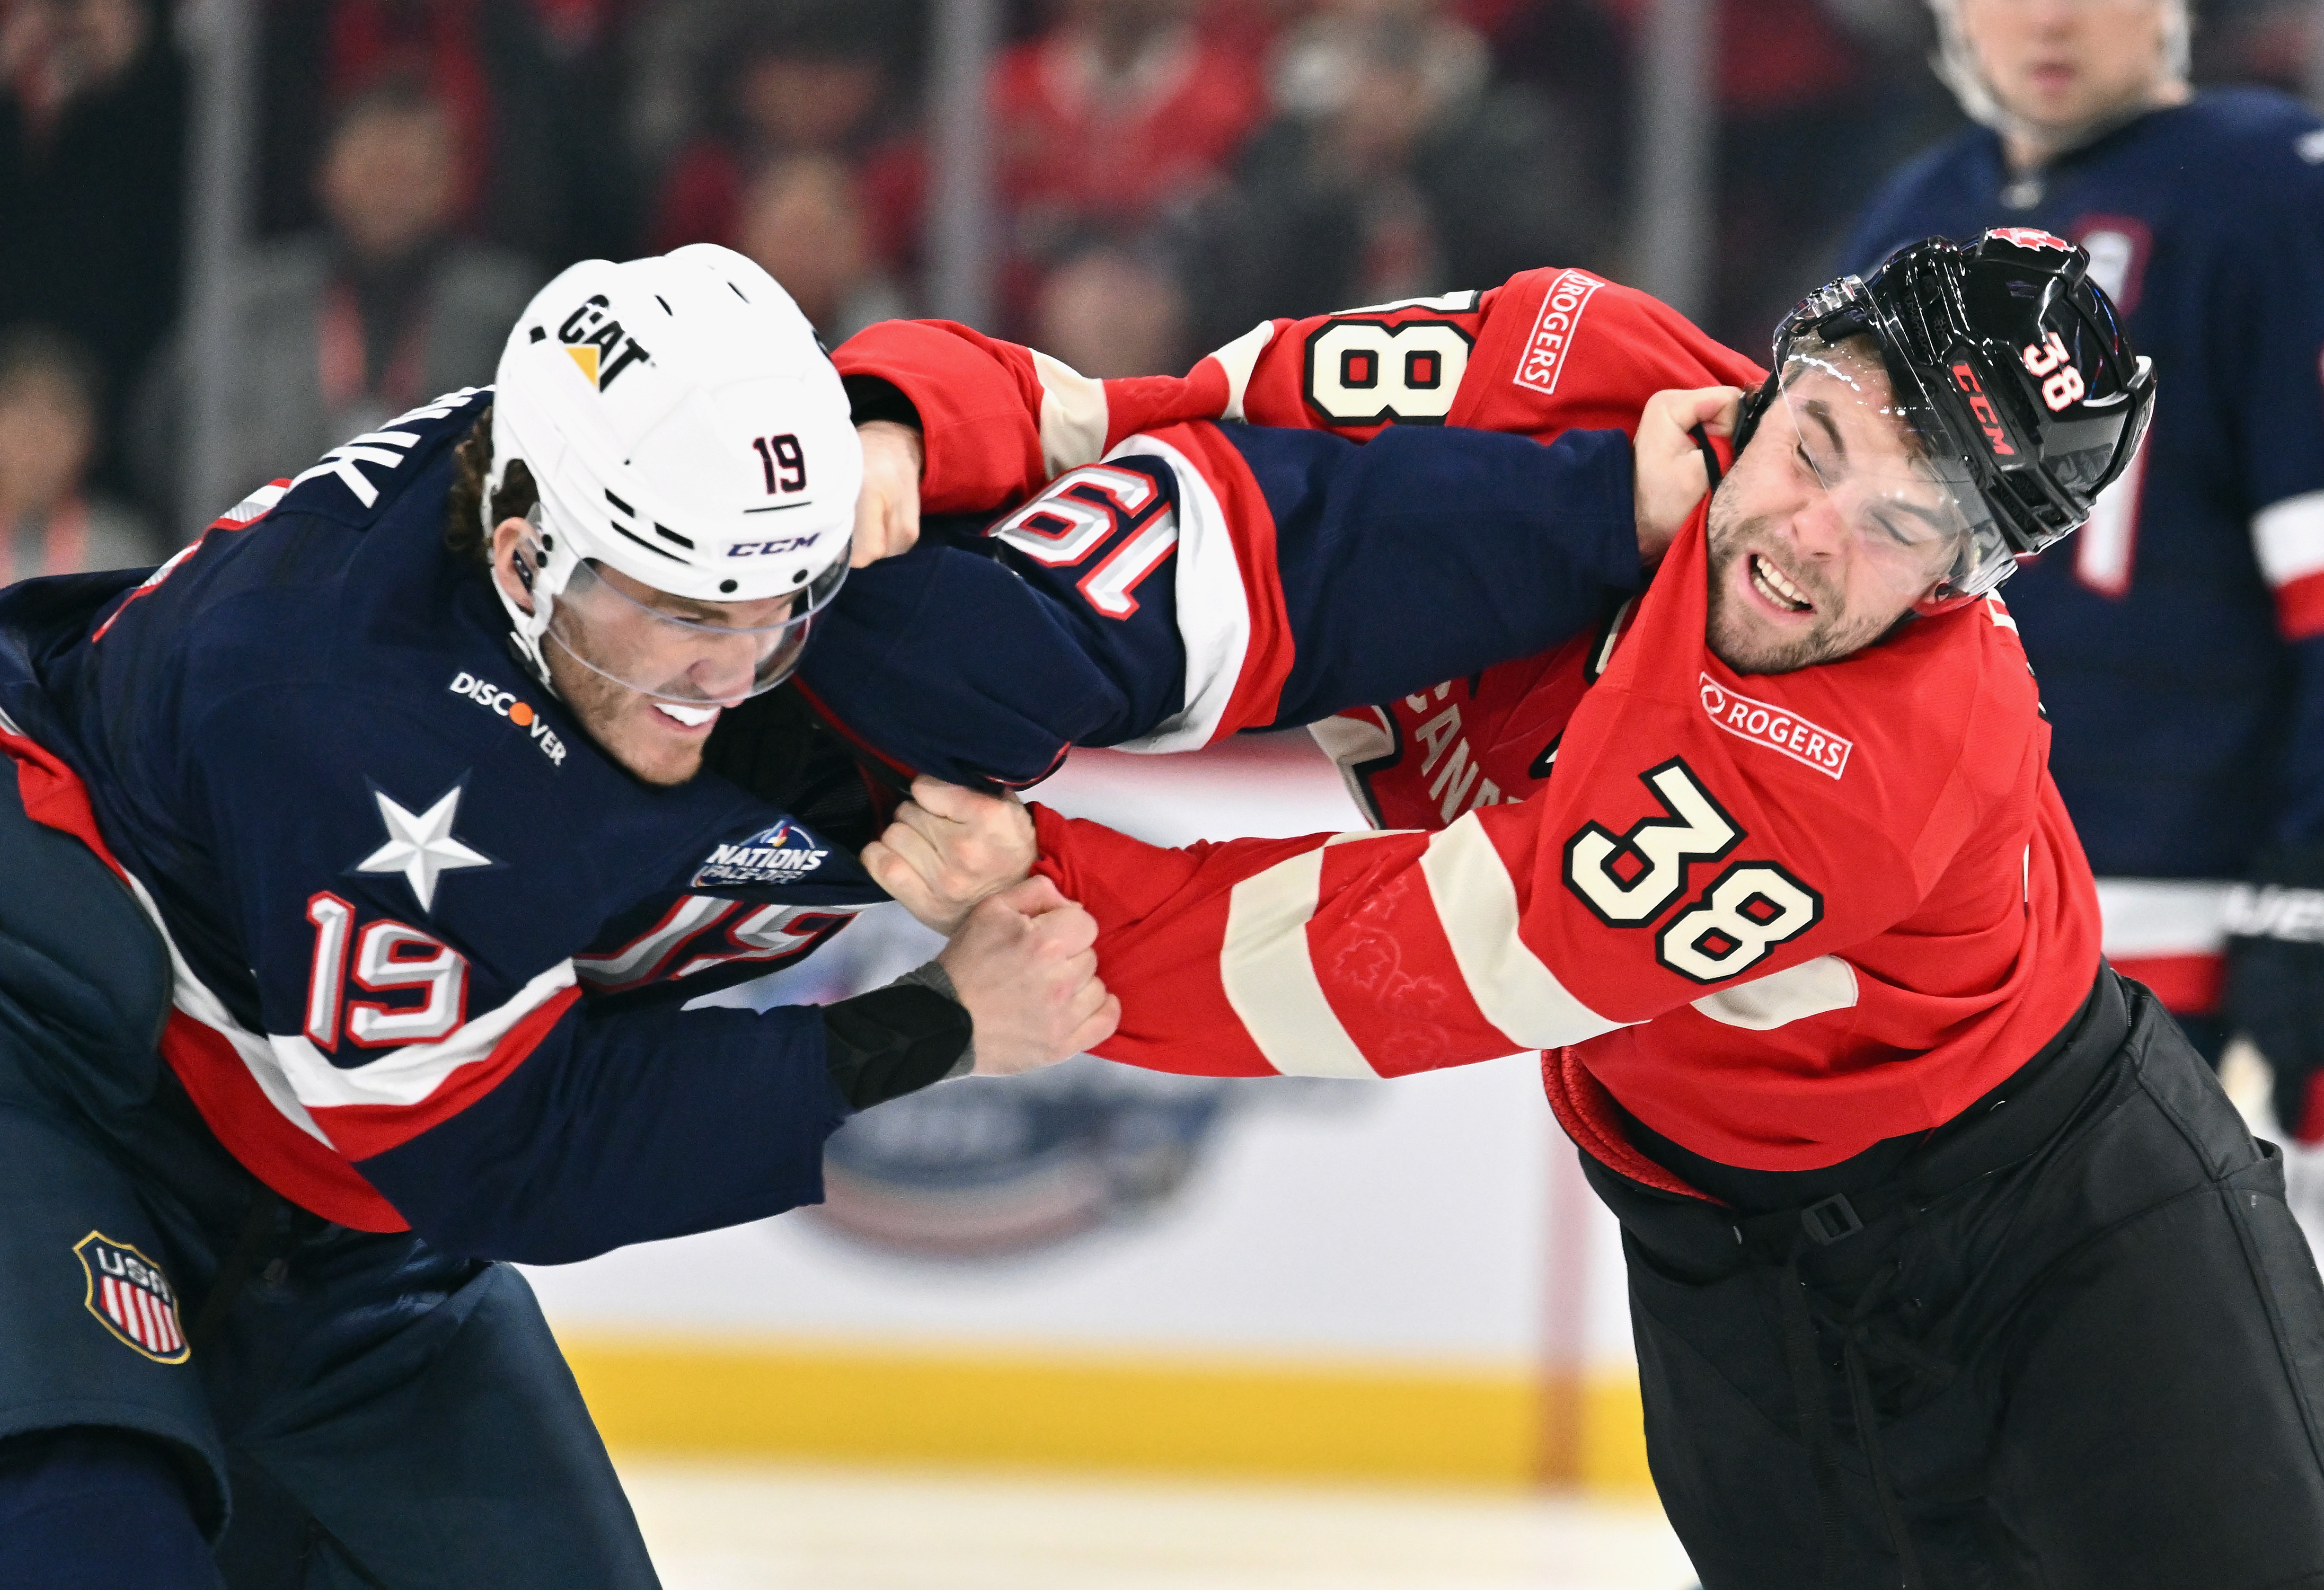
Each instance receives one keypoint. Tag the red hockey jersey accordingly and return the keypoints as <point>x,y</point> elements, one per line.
<point>1779,918</point>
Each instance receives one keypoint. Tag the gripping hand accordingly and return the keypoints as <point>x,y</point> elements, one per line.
<point>950,847</point>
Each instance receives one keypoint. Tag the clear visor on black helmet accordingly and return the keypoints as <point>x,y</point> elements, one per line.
<point>1883,462</point>
<point>674,649</point>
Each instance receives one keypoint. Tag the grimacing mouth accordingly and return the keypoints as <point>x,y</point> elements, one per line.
<point>1775,586</point>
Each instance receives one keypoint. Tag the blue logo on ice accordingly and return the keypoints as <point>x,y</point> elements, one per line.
<point>783,854</point>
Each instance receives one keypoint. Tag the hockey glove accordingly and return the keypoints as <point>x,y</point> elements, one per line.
<point>2275,979</point>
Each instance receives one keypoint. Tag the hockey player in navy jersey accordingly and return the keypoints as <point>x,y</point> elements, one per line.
<point>353,877</point>
<point>2180,640</point>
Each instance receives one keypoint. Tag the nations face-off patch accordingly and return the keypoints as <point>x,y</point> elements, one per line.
<point>131,1298</point>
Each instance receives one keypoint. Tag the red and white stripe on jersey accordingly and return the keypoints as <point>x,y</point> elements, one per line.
<point>2172,935</point>
<point>145,1319</point>
<point>1236,362</point>
<point>294,1120</point>
<point>2289,537</point>
<point>1356,955</point>
<point>241,516</point>
<point>999,421</point>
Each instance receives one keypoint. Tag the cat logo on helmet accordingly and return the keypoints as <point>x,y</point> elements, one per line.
<point>600,349</point>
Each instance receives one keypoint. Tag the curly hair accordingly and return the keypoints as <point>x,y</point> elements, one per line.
<point>465,529</point>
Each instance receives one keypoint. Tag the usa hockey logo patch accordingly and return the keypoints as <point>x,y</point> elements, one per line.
<point>131,1298</point>
<point>783,854</point>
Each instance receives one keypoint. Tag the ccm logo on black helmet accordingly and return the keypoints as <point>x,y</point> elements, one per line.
<point>1980,405</point>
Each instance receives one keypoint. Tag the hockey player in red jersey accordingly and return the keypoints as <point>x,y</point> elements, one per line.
<point>1773,871</point>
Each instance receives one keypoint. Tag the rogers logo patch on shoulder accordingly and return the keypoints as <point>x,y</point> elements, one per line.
<point>1544,359</point>
<point>783,854</point>
<point>1776,727</point>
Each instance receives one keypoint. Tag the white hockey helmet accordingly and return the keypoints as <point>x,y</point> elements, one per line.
<point>684,429</point>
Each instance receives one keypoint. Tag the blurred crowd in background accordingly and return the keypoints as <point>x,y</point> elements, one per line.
<point>1170,172</point>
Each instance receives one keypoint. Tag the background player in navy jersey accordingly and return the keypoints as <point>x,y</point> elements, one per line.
<point>2180,639</point>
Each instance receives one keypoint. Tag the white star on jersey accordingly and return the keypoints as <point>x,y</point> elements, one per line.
<point>422,848</point>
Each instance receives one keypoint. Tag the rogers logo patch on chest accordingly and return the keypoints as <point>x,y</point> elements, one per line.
<point>1778,728</point>
<point>783,854</point>
<point>131,1298</point>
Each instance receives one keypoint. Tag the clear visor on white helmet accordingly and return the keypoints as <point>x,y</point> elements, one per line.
<point>674,649</point>
<point>1915,510</point>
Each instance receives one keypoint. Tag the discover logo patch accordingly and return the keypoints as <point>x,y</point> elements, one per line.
<point>505,704</point>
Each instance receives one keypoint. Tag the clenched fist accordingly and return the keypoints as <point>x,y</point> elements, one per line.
<point>949,848</point>
<point>1023,964</point>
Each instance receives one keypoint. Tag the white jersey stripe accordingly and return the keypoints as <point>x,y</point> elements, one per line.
<point>1476,907</point>
<point>1214,606</point>
<point>409,1073</point>
<point>255,505</point>
<point>2289,537</point>
<point>1072,415</point>
<point>194,999</point>
<point>2162,916</point>
<point>1239,358</point>
<point>1780,998</point>
<point>293,1074</point>
<point>1269,976</point>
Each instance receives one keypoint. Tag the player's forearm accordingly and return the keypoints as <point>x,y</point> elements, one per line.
<point>1328,956</point>
<point>651,1122</point>
<point>1433,552</point>
<point>999,420</point>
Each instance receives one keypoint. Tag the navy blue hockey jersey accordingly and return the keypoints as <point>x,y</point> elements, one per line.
<point>2180,636</point>
<point>389,865</point>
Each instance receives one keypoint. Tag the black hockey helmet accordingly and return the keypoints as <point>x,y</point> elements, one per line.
<point>2011,370</point>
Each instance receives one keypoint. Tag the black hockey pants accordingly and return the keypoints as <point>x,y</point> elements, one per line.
<point>2073,1339</point>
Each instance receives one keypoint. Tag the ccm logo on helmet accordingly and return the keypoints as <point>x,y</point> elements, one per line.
<point>596,343</point>
<point>1982,407</point>
<point>504,703</point>
<point>790,543</point>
